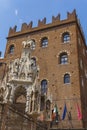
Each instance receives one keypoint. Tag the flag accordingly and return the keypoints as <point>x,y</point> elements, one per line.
<point>79,115</point>
<point>64,112</point>
<point>55,113</point>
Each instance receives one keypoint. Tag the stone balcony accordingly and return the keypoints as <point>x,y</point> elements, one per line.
<point>23,80</point>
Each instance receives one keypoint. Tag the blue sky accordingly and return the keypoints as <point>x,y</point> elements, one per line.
<point>16,12</point>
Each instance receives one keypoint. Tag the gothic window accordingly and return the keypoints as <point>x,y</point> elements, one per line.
<point>66,78</point>
<point>63,58</point>
<point>66,37</point>
<point>44,42</point>
<point>11,49</point>
<point>43,86</point>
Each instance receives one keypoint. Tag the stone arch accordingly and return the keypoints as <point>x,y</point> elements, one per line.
<point>20,90</point>
<point>65,31</point>
<point>62,53</point>
<point>20,98</point>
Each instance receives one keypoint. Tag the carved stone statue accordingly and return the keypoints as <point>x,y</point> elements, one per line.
<point>24,73</point>
<point>28,43</point>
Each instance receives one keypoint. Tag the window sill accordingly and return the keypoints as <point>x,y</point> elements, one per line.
<point>67,84</point>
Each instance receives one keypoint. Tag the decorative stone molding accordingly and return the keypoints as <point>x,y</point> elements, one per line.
<point>66,73</point>
<point>63,51</point>
<point>23,74</point>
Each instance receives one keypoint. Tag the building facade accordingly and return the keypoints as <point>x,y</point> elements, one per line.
<point>59,48</point>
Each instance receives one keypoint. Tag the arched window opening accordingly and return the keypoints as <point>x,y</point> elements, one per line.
<point>11,49</point>
<point>63,58</point>
<point>44,42</point>
<point>43,86</point>
<point>66,78</point>
<point>66,37</point>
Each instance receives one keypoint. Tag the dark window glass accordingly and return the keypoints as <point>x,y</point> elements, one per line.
<point>11,49</point>
<point>66,37</point>
<point>63,58</point>
<point>43,86</point>
<point>44,42</point>
<point>66,78</point>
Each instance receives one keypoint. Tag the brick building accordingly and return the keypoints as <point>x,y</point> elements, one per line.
<point>59,48</point>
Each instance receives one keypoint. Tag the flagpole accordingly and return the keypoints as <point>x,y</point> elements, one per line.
<point>65,100</point>
<point>67,112</point>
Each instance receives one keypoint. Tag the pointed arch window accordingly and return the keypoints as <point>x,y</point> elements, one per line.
<point>43,86</point>
<point>11,49</point>
<point>63,58</point>
<point>66,78</point>
<point>66,37</point>
<point>44,42</point>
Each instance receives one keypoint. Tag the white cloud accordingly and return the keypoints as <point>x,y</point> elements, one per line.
<point>16,12</point>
